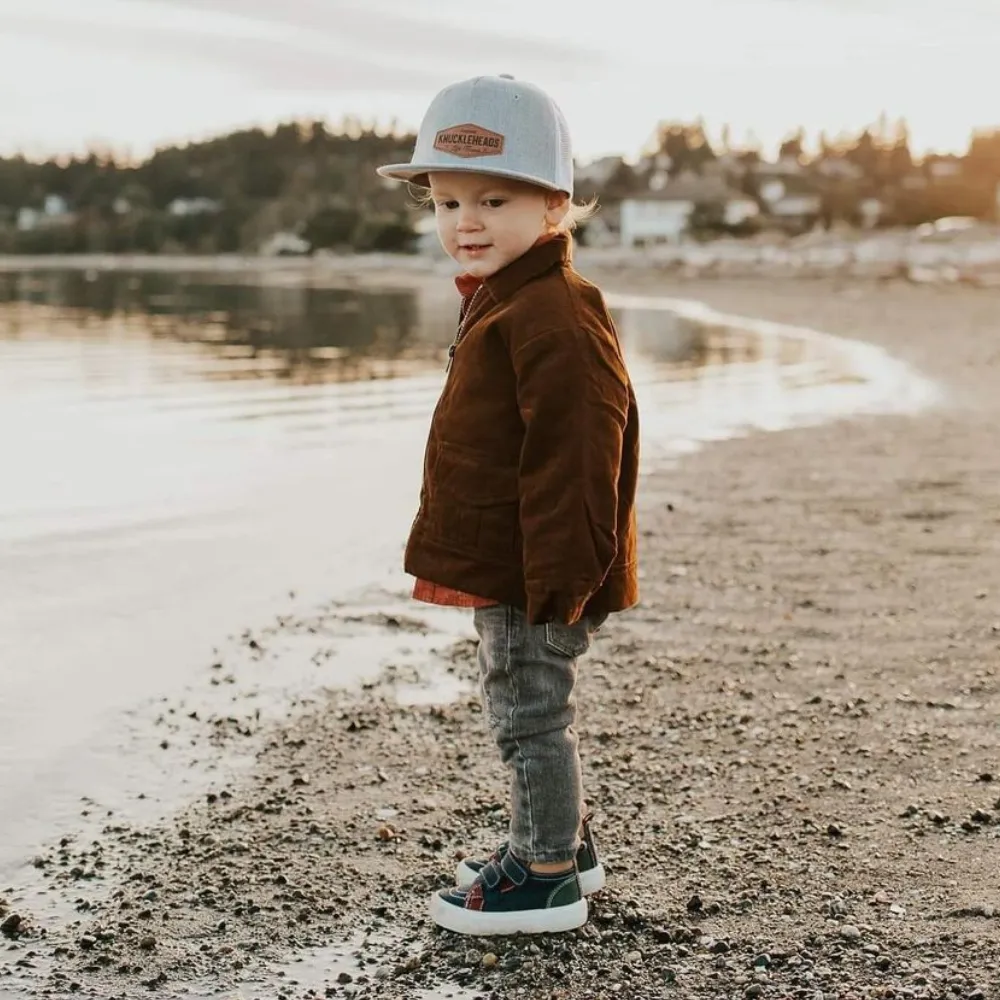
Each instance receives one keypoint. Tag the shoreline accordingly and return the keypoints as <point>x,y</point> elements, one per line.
<point>877,256</point>
<point>792,728</point>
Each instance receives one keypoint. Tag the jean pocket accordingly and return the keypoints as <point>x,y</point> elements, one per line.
<point>568,640</point>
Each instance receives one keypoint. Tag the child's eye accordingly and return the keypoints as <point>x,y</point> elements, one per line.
<point>450,205</point>
<point>494,202</point>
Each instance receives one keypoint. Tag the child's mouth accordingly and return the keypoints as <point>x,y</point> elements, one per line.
<point>475,248</point>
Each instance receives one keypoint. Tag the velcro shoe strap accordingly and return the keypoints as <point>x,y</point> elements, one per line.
<point>513,869</point>
<point>491,873</point>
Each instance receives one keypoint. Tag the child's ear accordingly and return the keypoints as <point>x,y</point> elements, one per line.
<point>556,207</point>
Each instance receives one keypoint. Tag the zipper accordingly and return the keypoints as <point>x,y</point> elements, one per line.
<point>463,322</point>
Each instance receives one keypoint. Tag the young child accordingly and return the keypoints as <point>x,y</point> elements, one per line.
<point>527,506</point>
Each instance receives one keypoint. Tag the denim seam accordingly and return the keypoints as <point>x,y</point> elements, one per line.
<point>517,743</point>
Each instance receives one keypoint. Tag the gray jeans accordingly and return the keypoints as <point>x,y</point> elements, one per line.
<point>528,676</point>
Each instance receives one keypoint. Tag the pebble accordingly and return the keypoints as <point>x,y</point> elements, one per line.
<point>148,943</point>
<point>633,958</point>
<point>490,960</point>
<point>850,933</point>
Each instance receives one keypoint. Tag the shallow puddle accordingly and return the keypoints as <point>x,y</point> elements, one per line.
<point>346,970</point>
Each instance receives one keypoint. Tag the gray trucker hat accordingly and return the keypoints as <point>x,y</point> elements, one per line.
<point>492,125</point>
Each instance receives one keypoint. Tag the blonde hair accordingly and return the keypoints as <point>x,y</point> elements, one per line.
<point>578,214</point>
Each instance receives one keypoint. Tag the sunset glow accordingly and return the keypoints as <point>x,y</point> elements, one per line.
<point>130,74</point>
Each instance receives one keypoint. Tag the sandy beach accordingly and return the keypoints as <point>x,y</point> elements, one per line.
<point>791,745</point>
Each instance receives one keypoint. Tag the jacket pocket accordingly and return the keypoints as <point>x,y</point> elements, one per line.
<point>472,478</point>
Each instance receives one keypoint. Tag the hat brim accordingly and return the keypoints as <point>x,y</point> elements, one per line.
<point>416,173</point>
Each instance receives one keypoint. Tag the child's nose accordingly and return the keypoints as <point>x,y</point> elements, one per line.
<point>468,218</point>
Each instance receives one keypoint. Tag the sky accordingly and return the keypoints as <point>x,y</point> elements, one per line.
<point>133,74</point>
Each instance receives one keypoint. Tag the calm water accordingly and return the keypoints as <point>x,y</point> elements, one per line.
<point>180,452</point>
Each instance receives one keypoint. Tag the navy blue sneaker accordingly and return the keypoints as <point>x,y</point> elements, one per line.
<point>507,898</point>
<point>588,864</point>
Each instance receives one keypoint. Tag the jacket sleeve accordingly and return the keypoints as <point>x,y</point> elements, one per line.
<point>572,394</point>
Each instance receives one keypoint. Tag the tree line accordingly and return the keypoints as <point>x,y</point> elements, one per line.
<point>232,193</point>
<point>225,195</point>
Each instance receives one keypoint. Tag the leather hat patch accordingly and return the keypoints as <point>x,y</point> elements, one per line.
<point>469,140</point>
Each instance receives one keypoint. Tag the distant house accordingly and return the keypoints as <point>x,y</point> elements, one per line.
<point>664,215</point>
<point>650,163</point>
<point>55,206</point>
<point>785,166</point>
<point>943,168</point>
<point>870,212</point>
<point>727,164</point>
<point>54,212</point>
<point>285,244</point>
<point>28,218</point>
<point>838,168</point>
<point>193,206</point>
<point>792,202</point>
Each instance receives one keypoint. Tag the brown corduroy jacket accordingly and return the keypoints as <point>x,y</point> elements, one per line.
<point>532,459</point>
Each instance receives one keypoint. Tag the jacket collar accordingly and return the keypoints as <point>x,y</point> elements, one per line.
<point>542,257</point>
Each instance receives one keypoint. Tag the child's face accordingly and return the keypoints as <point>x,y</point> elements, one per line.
<point>486,222</point>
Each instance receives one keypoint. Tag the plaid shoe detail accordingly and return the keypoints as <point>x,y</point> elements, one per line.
<point>474,899</point>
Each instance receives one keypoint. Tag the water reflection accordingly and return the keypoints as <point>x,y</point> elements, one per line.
<point>223,328</point>
<point>692,346</point>
<point>296,333</point>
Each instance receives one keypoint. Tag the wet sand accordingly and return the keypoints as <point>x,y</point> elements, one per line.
<point>791,745</point>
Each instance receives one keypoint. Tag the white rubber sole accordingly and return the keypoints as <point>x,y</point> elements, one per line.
<point>480,923</point>
<point>590,881</point>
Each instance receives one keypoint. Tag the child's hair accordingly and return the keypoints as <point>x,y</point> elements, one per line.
<point>577,213</point>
